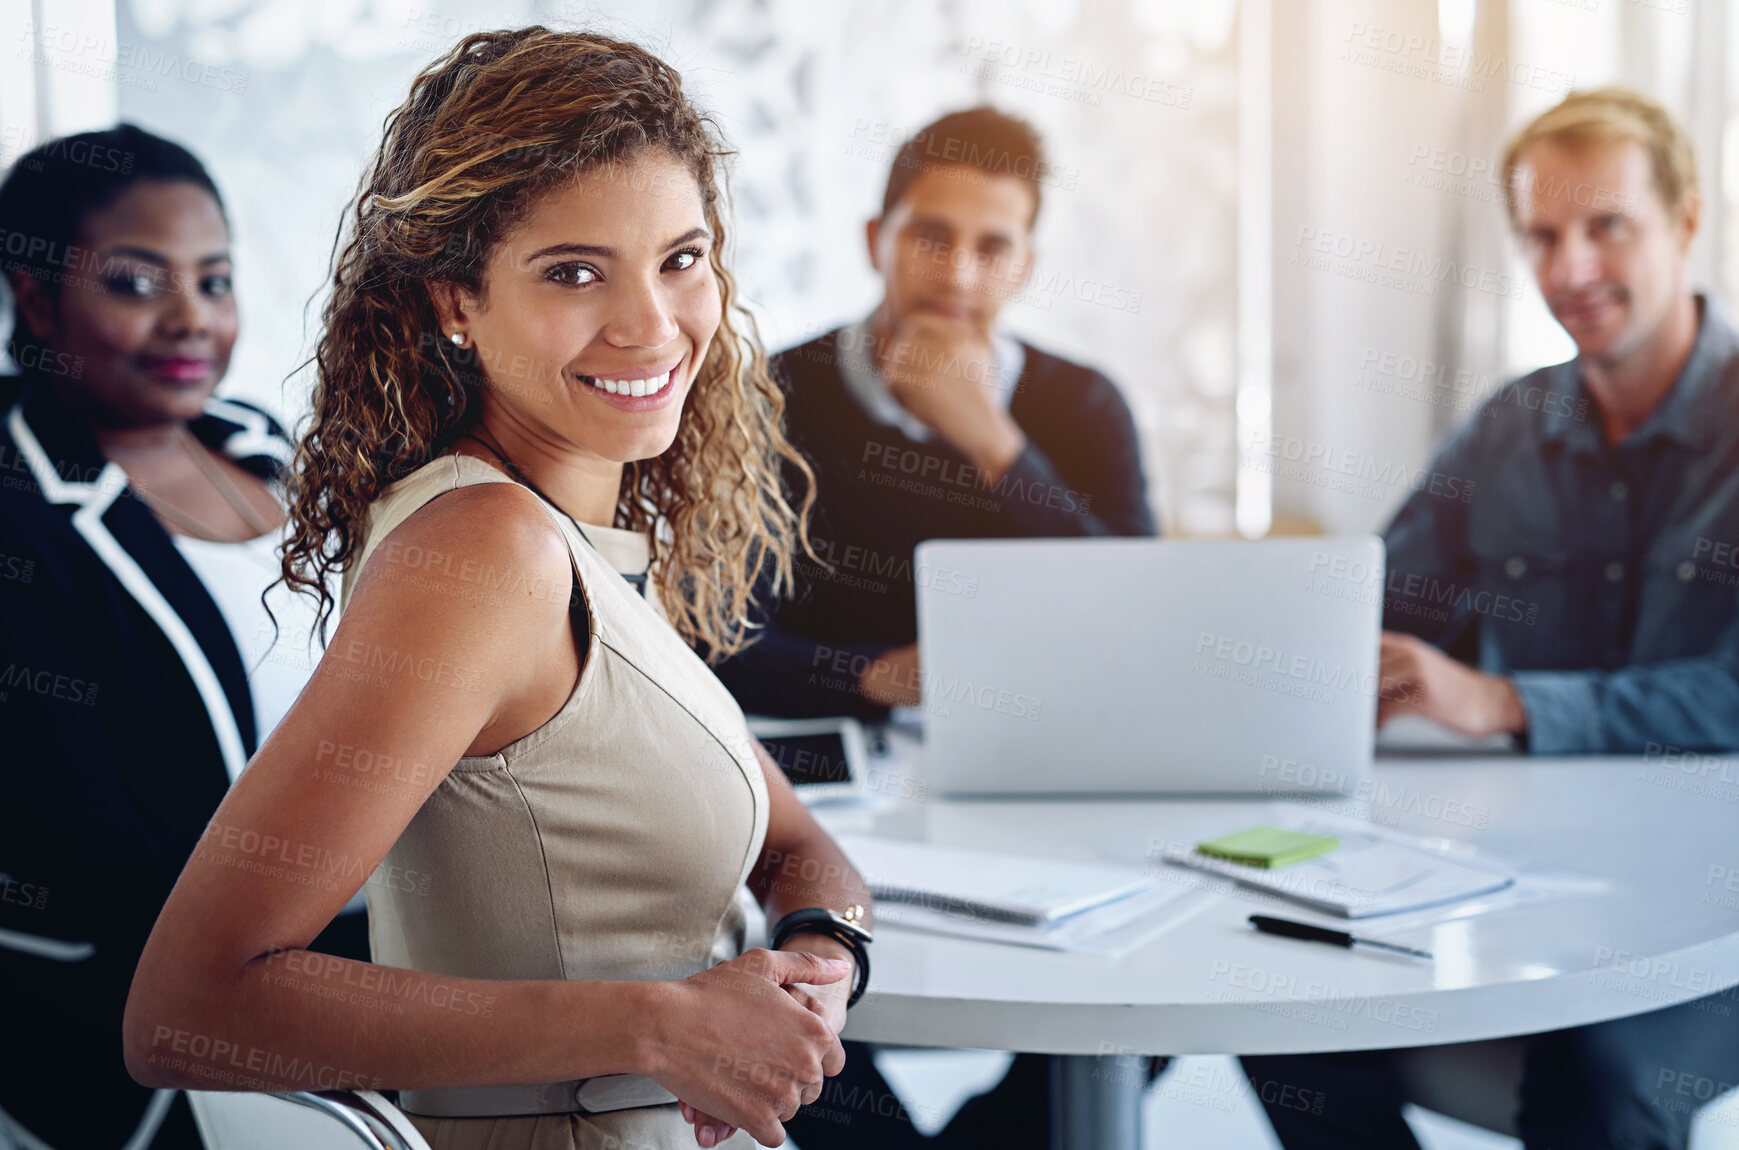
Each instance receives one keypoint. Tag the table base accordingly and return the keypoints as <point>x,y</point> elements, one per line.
<point>1096,1101</point>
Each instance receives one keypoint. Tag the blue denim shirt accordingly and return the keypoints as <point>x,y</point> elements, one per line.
<point>1602,580</point>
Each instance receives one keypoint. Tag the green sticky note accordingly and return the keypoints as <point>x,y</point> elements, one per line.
<point>1268,847</point>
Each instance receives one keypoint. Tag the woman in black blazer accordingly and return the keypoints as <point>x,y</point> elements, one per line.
<point>125,704</point>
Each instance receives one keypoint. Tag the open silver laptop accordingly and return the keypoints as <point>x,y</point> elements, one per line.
<point>1070,666</point>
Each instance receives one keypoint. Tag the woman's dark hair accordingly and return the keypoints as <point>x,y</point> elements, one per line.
<point>984,138</point>
<point>51,189</point>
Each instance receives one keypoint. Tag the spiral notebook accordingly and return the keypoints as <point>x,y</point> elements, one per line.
<point>988,885</point>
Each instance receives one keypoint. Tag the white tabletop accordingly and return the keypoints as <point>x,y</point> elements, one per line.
<point>1662,928</point>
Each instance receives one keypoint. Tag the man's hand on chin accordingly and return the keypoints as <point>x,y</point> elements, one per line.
<point>1416,678</point>
<point>943,371</point>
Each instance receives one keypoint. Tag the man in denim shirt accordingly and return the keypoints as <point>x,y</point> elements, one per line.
<point>1589,576</point>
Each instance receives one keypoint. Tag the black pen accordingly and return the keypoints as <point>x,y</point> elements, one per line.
<point>1290,929</point>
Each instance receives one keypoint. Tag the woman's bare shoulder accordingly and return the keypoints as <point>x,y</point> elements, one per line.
<point>490,541</point>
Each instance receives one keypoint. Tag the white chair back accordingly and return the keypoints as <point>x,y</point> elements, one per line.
<point>293,1121</point>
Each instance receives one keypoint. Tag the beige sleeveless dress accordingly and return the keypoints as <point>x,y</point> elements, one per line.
<point>610,843</point>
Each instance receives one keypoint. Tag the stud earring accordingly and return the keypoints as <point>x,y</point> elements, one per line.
<point>458,338</point>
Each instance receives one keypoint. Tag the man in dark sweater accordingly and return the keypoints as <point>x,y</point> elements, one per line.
<point>925,421</point>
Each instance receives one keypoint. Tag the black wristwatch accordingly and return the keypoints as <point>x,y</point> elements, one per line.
<point>848,928</point>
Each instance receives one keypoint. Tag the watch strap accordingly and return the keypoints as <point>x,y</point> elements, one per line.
<point>818,920</point>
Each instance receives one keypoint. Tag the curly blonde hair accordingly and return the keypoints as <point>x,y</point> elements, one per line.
<point>500,119</point>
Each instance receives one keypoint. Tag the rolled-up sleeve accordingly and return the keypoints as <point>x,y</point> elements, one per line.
<point>1687,704</point>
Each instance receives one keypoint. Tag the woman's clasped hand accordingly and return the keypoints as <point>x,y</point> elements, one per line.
<point>749,1045</point>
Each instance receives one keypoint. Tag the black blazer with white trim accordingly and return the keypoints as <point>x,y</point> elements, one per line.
<point>124,706</point>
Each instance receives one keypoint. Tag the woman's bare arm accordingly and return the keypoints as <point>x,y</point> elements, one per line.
<point>420,672</point>
<point>800,866</point>
<point>800,863</point>
<point>415,674</point>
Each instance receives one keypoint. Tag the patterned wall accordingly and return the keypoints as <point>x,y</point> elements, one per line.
<point>284,98</point>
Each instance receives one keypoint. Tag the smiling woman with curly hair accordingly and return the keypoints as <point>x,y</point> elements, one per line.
<point>545,456</point>
<point>466,161</point>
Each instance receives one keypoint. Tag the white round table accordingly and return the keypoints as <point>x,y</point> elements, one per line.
<point>1643,913</point>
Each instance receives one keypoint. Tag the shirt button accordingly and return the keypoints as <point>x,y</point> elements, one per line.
<point>1515,567</point>
<point>1620,489</point>
<point>1687,571</point>
<point>1614,572</point>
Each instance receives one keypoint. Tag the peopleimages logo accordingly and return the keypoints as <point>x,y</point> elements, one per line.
<point>131,63</point>
<point>1329,465</point>
<point>1388,800</point>
<point>983,162</point>
<point>940,691</point>
<point>1071,77</point>
<point>1412,593</point>
<point>1407,269</point>
<point>850,564</point>
<point>1457,65</point>
<point>1288,991</point>
<point>1306,670</point>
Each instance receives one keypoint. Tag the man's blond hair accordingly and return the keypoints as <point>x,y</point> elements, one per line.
<point>1612,115</point>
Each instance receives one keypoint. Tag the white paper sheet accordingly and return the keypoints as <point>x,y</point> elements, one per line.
<point>1112,930</point>
<point>1369,875</point>
<point>988,885</point>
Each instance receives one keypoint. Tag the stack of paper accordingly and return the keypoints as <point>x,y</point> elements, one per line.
<point>1050,903</point>
<point>1368,875</point>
